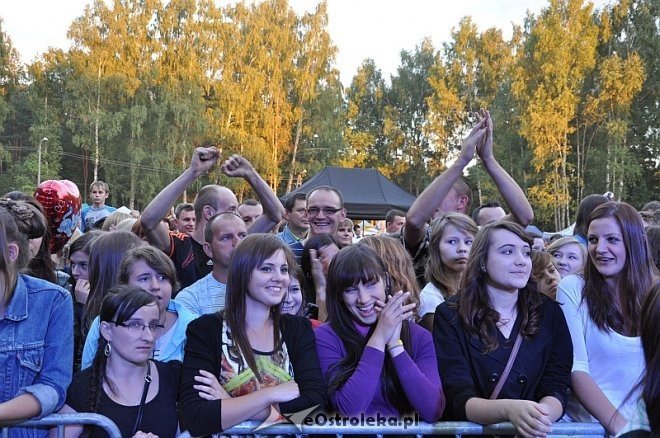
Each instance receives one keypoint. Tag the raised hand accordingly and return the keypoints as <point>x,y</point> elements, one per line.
<point>203,159</point>
<point>81,291</point>
<point>238,167</point>
<point>474,139</point>
<point>209,387</point>
<point>485,148</point>
<point>393,313</point>
<point>317,272</point>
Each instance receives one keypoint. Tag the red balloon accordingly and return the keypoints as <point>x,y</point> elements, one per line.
<point>61,200</point>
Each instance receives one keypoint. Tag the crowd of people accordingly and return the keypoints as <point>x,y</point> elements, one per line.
<point>231,311</point>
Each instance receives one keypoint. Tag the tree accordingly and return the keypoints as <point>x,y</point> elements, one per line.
<point>560,50</point>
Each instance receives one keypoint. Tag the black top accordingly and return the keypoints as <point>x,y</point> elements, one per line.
<point>159,415</point>
<point>203,352</point>
<point>542,367</point>
<point>189,258</point>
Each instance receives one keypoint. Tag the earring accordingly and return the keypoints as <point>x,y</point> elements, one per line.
<point>483,268</point>
<point>107,350</point>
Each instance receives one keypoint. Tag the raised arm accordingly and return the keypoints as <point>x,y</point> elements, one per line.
<point>240,167</point>
<point>202,160</point>
<point>521,210</point>
<point>431,198</point>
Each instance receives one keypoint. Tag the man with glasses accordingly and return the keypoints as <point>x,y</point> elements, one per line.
<point>325,211</point>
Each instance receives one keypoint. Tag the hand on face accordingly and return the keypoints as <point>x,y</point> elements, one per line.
<point>391,315</point>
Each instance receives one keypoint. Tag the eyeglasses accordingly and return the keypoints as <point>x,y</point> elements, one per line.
<point>328,211</point>
<point>138,327</point>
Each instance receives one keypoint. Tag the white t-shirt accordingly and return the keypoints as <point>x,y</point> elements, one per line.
<point>615,362</point>
<point>429,298</point>
<point>206,295</point>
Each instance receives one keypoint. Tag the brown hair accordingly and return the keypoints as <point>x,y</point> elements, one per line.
<point>247,256</point>
<point>473,305</point>
<point>155,258</point>
<point>620,309</point>
<point>398,265</point>
<point>435,268</point>
<point>9,233</point>
<point>105,254</point>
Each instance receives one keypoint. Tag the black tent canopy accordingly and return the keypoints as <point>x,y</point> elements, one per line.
<point>367,193</point>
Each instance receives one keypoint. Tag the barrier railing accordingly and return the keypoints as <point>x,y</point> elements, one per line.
<point>440,428</point>
<point>447,428</point>
<point>61,420</point>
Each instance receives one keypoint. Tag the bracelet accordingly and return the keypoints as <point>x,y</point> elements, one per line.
<point>399,343</point>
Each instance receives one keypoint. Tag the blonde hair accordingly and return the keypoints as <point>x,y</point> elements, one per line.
<point>563,241</point>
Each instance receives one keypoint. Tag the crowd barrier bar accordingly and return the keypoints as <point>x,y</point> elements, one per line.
<point>61,420</point>
<point>451,428</point>
<point>447,428</point>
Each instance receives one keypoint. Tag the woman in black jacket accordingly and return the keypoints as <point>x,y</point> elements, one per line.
<point>476,331</point>
<point>252,358</point>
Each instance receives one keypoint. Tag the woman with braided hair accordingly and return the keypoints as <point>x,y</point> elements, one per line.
<point>138,394</point>
<point>36,324</point>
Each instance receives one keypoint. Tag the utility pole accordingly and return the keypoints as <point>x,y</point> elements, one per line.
<point>39,166</point>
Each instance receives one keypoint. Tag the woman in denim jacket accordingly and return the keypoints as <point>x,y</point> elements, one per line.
<point>36,323</point>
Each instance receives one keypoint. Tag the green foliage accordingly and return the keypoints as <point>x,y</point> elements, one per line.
<point>573,95</point>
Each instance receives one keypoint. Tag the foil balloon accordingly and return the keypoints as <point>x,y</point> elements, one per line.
<point>61,201</point>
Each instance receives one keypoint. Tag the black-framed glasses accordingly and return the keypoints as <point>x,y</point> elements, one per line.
<point>328,211</point>
<point>138,327</point>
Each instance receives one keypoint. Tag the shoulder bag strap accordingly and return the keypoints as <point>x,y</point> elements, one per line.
<point>145,391</point>
<point>507,368</point>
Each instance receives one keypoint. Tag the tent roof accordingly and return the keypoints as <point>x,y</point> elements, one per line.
<point>367,193</point>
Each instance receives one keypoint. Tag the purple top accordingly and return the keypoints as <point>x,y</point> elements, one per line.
<point>362,393</point>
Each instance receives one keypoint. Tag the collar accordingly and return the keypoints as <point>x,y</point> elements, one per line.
<point>287,230</point>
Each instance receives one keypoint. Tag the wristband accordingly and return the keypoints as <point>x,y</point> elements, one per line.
<point>398,343</point>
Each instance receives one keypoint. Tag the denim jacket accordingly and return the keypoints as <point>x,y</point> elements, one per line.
<point>36,346</point>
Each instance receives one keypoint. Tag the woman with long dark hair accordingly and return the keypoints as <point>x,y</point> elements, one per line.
<point>603,309</point>
<point>373,358</point>
<point>138,394</point>
<point>252,358</point>
<point>36,331</point>
<point>479,331</point>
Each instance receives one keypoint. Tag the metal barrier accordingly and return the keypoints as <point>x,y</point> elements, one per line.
<point>447,428</point>
<point>62,420</point>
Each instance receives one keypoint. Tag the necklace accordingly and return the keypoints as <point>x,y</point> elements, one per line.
<point>127,400</point>
<point>505,321</point>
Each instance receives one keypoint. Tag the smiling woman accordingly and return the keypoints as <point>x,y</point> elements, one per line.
<point>478,333</point>
<point>603,309</point>
<point>374,359</point>
<point>252,358</point>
